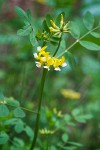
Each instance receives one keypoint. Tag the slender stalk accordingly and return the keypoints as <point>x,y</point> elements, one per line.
<point>39,109</point>
<point>57,46</point>
<point>78,40</point>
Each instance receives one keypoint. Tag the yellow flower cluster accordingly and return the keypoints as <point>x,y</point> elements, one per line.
<point>3,102</point>
<point>44,59</point>
<point>70,94</point>
<point>59,30</point>
<point>46,131</point>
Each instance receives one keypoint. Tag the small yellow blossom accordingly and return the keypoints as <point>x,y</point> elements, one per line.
<point>67,93</point>
<point>62,21</point>
<point>3,102</point>
<point>58,113</point>
<point>44,59</point>
<point>54,25</point>
<point>46,131</point>
<point>57,31</point>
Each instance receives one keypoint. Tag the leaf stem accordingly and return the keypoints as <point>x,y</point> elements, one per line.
<point>39,109</point>
<point>26,109</point>
<point>78,40</point>
<point>57,46</point>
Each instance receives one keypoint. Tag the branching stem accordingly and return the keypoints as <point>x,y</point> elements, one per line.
<point>78,40</point>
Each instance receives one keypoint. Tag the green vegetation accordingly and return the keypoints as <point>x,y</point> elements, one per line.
<point>44,104</point>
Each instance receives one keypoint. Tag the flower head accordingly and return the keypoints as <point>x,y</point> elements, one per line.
<point>67,93</point>
<point>44,59</point>
<point>56,30</point>
<point>46,131</point>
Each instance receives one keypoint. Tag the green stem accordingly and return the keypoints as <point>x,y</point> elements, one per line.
<point>57,46</point>
<point>78,40</point>
<point>39,109</point>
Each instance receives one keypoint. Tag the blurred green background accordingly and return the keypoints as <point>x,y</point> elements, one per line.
<point>20,79</point>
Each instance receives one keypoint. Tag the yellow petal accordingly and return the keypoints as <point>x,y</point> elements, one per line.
<point>62,21</point>
<point>54,25</point>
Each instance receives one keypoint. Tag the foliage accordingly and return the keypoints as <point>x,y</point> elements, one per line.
<point>66,122</point>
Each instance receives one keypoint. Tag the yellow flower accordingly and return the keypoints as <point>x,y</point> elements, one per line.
<point>57,31</point>
<point>44,59</point>
<point>46,131</point>
<point>3,102</point>
<point>54,25</point>
<point>62,21</point>
<point>67,93</point>
<point>58,113</point>
<point>56,64</point>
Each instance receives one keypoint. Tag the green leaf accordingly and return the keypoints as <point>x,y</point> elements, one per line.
<point>19,127</point>
<point>29,132</point>
<point>45,26</point>
<point>83,118</point>
<point>24,32</point>
<point>21,12</point>
<point>67,117</point>
<point>80,119</point>
<point>88,20</point>
<point>88,116</point>
<point>76,112</point>
<point>18,144</point>
<point>89,45</point>
<point>65,137</point>
<point>71,60</point>
<point>3,137</point>
<point>18,112</point>
<point>33,39</point>
<point>95,34</point>
<point>12,102</point>
<point>75,31</point>
<point>48,18</point>
<point>29,14</point>
<point>11,121</point>
<point>4,111</point>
